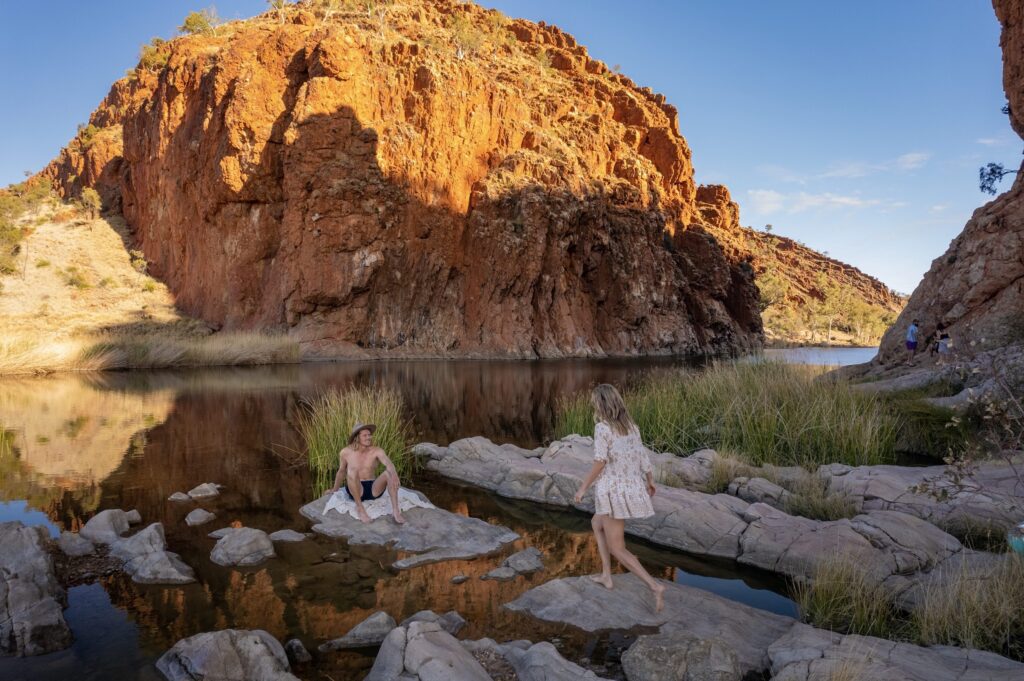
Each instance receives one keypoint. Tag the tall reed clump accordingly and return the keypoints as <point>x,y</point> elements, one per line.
<point>842,597</point>
<point>327,421</point>
<point>777,413</point>
<point>972,611</point>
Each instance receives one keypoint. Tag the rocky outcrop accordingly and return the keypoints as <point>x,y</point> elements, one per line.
<point>31,600</point>
<point>391,190</point>
<point>228,655</point>
<point>703,636</point>
<point>242,546</point>
<point>370,632</point>
<point>148,561</point>
<point>976,287</point>
<point>895,549</point>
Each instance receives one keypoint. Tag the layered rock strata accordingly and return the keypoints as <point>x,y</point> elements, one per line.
<point>377,185</point>
<point>894,549</point>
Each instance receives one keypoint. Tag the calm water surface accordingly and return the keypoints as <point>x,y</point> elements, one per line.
<point>81,444</point>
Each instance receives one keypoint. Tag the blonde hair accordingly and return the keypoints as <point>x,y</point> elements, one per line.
<point>609,407</point>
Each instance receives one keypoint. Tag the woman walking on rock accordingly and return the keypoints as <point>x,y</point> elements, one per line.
<point>623,486</point>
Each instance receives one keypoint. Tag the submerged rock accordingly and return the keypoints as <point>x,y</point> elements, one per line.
<point>229,655</point>
<point>297,652</point>
<point>148,561</point>
<point>369,632</point>
<point>204,491</point>
<point>75,545</point>
<point>242,546</point>
<point>675,657</point>
<point>432,533</point>
<point>179,496</point>
<point>199,516</point>
<point>31,600</point>
<point>501,574</point>
<point>287,536</point>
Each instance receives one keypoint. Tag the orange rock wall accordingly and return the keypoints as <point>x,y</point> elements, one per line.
<point>389,185</point>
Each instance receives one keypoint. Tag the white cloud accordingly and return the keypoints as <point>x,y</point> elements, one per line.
<point>768,201</point>
<point>912,161</point>
<point>854,169</point>
<point>939,208</point>
<point>781,174</point>
<point>988,141</point>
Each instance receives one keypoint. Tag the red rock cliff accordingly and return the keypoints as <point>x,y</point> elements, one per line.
<point>977,286</point>
<point>431,180</point>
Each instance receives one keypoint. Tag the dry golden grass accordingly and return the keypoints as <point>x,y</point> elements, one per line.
<point>89,309</point>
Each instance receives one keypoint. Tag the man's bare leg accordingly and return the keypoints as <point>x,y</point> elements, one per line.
<point>391,482</point>
<point>355,488</point>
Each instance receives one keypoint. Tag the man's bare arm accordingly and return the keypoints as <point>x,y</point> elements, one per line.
<point>342,471</point>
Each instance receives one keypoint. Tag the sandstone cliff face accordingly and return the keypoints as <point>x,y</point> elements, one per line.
<point>432,180</point>
<point>977,286</point>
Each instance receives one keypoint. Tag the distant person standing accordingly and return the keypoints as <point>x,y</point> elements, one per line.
<point>944,344</point>
<point>912,332</point>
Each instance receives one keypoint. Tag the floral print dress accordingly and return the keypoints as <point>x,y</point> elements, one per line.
<point>620,491</point>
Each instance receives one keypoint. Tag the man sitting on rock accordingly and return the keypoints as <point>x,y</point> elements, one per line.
<point>357,465</point>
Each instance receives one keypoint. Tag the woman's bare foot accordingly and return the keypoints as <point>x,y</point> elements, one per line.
<point>659,597</point>
<point>603,580</point>
<point>398,517</point>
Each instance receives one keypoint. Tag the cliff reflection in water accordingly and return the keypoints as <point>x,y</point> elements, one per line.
<point>82,444</point>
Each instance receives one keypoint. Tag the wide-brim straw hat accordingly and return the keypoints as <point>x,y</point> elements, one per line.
<point>359,427</point>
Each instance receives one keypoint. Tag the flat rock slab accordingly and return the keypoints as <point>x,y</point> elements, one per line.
<point>148,561</point>
<point>179,496</point>
<point>432,533</point>
<point>242,546</point>
<point>500,574</point>
<point>807,654</point>
<point>704,636</point>
<point>370,632</point>
<point>75,545</point>
<point>228,655</point>
<point>199,516</point>
<point>31,600</point>
<point>287,536</point>
<point>587,605</point>
<point>204,491</point>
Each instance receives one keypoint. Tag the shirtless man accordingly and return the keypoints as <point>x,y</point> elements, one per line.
<point>357,463</point>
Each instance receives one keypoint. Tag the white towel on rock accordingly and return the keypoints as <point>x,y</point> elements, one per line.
<point>375,508</point>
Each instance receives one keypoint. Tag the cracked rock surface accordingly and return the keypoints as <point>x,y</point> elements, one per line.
<point>31,600</point>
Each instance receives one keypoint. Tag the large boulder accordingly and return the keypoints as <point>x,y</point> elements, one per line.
<point>674,657</point>
<point>75,545</point>
<point>228,655</point>
<point>106,527</point>
<point>199,516</point>
<point>242,546</point>
<point>31,600</point>
<point>424,651</point>
<point>148,561</point>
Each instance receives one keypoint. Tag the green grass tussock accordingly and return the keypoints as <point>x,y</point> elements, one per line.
<point>809,497</point>
<point>971,612</point>
<point>843,597</point>
<point>774,413</point>
<point>328,419</point>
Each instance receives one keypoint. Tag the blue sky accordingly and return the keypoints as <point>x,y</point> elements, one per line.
<point>856,128</point>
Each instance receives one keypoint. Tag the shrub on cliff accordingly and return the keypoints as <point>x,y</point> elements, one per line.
<point>86,136</point>
<point>154,55</point>
<point>205,21</point>
<point>91,202</point>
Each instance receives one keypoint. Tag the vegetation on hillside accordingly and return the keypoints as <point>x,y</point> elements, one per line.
<point>15,201</point>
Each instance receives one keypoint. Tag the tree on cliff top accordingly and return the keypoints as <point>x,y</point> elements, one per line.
<point>205,21</point>
<point>991,174</point>
<point>278,6</point>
